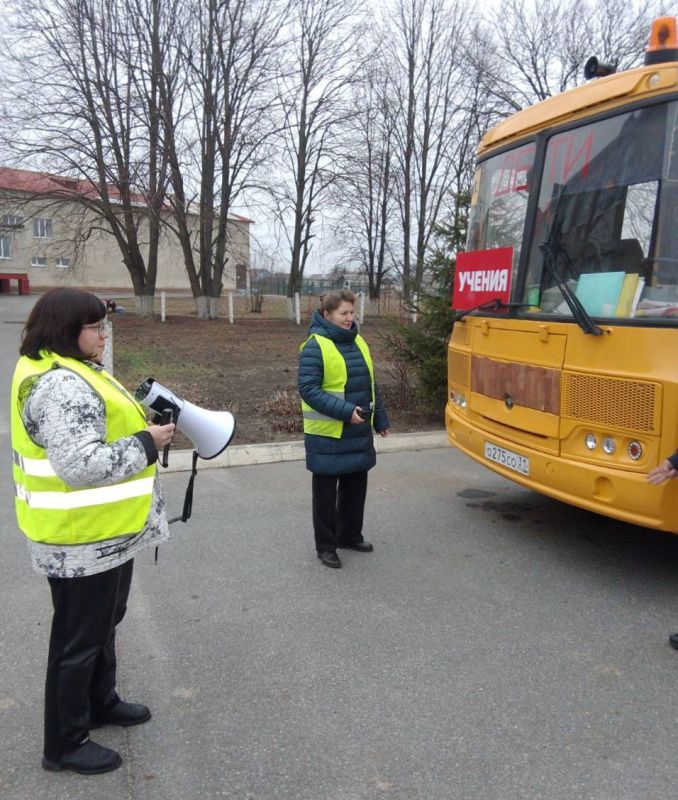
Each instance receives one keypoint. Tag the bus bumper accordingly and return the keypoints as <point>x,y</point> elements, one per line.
<point>615,493</point>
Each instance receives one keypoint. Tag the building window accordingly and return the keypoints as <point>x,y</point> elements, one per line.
<point>11,221</point>
<point>5,247</point>
<point>42,228</point>
<point>39,261</point>
<point>63,262</point>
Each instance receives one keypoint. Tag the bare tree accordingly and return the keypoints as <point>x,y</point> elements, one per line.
<point>217,130</point>
<point>84,104</point>
<point>526,53</point>
<point>426,57</point>
<point>156,30</point>
<point>313,93</point>
<point>364,193</point>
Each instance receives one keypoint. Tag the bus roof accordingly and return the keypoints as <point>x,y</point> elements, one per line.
<point>582,101</point>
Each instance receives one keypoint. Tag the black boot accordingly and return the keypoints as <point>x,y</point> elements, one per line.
<point>360,547</point>
<point>120,713</point>
<point>88,758</point>
<point>330,559</point>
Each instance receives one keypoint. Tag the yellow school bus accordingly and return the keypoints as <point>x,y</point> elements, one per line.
<point>564,377</point>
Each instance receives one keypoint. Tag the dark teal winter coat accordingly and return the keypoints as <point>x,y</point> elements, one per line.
<point>354,451</point>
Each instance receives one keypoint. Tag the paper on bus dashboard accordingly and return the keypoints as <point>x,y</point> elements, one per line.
<point>657,308</point>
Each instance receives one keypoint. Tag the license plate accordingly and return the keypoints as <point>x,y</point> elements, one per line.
<point>507,458</point>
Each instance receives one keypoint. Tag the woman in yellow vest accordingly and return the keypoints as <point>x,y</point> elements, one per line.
<point>88,500</point>
<point>341,406</point>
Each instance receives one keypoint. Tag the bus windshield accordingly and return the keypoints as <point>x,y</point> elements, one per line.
<point>499,203</point>
<point>606,220</point>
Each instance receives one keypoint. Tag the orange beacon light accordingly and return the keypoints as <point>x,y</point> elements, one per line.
<point>663,44</point>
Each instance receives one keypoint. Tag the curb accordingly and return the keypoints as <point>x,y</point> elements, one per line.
<point>243,455</point>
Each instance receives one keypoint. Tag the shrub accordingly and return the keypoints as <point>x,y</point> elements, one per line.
<point>422,345</point>
<point>283,410</point>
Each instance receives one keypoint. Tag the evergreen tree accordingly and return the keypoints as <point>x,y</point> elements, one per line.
<point>422,345</point>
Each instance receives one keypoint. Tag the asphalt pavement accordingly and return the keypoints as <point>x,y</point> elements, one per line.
<point>497,645</point>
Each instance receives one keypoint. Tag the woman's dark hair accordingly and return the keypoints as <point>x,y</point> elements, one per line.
<point>56,320</point>
<point>332,300</point>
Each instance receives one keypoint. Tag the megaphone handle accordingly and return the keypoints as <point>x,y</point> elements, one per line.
<point>166,417</point>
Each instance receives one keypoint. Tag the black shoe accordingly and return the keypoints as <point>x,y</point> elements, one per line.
<point>330,559</point>
<point>88,758</point>
<point>121,713</point>
<point>673,640</point>
<point>360,547</point>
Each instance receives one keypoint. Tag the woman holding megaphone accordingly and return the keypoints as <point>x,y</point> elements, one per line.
<point>88,500</point>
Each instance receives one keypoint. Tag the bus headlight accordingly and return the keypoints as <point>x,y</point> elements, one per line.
<point>609,445</point>
<point>635,450</point>
<point>459,399</point>
<point>591,441</point>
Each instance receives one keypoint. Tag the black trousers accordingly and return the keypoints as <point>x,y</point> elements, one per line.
<point>338,509</point>
<point>81,664</point>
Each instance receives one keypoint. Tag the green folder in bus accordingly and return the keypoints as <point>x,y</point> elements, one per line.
<point>599,292</point>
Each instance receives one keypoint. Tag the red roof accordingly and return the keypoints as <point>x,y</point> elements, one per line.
<point>42,183</point>
<point>239,217</point>
<point>23,180</point>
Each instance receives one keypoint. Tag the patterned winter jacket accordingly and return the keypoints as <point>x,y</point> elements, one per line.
<point>63,414</point>
<point>354,451</point>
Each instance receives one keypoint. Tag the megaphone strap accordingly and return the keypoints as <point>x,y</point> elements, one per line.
<point>188,497</point>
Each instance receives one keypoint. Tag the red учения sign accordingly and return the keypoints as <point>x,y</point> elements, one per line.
<point>482,276</point>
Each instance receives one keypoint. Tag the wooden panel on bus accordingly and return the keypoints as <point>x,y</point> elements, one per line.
<point>517,385</point>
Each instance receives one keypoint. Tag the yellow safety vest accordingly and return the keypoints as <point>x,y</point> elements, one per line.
<point>49,510</point>
<point>334,382</point>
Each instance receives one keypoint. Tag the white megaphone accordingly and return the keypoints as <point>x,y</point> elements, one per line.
<point>210,431</point>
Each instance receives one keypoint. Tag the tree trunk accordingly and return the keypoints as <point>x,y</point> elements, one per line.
<point>290,308</point>
<point>206,307</point>
<point>201,306</point>
<point>144,303</point>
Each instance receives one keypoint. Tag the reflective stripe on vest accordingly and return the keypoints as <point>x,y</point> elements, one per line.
<point>80,498</point>
<point>335,376</point>
<point>49,510</point>
<point>33,466</point>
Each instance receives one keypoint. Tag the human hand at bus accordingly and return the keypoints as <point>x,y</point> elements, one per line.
<point>662,473</point>
<point>383,433</point>
<point>162,434</point>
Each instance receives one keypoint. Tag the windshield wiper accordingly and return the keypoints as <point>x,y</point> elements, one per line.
<point>550,249</point>
<point>489,305</point>
<point>580,314</point>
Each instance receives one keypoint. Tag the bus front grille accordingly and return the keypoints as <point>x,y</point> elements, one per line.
<point>617,402</point>
<point>459,368</point>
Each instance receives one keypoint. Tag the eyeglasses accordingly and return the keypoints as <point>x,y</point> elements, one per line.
<point>99,327</point>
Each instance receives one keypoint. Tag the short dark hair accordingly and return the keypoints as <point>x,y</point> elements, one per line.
<point>332,300</point>
<point>56,321</point>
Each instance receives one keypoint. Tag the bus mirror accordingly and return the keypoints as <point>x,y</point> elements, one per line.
<point>597,69</point>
